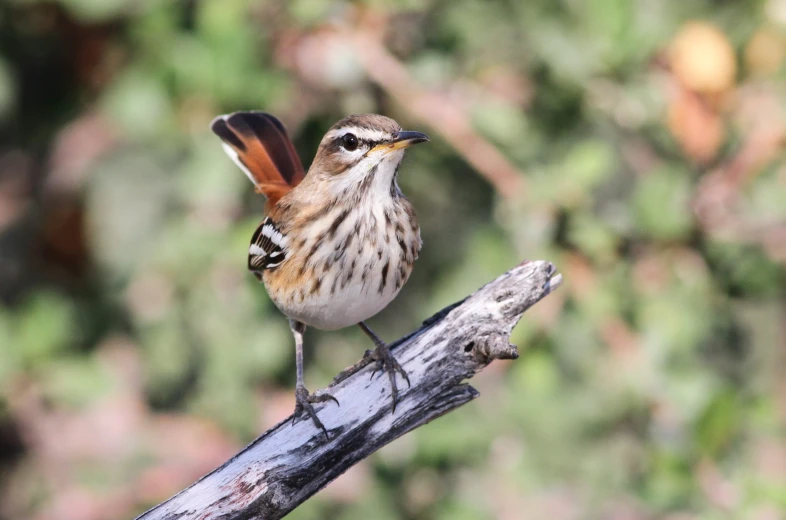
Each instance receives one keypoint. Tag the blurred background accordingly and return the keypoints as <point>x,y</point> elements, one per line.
<point>637,144</point>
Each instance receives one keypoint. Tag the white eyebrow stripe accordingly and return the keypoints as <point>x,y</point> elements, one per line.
<point>364,134</point>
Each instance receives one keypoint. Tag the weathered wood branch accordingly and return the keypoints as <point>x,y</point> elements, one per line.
<point>289,463</point>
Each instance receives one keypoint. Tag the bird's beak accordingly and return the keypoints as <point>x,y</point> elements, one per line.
<point>402,140</point>
<point>406,138</point>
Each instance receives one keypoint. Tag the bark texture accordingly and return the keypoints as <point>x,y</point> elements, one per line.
<point>289,463</point>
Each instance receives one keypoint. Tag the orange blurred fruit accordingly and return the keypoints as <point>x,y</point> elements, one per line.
<point>765,51</point>
<point>696,126</point>
<point>703,59</point>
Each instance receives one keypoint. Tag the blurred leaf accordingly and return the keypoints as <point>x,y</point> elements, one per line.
<point>588,163</point>
<point>44,328</point>
<point>536,375</point>
<point>593,237</point>
<point>676,320</point>
<point>139,104</point>
<point>461,509</point>
<point>170,358</point>
<point>764,199</point>
<point>502,122</point>
<point>719,424</point>
<point>96,10</point>
<point>487,252</point>
<point>126,205</point>
<point>670,484</point>
<point>310,11</point>
<point>746,270</point>
<point>7,89</point>
<point>76,381</point>
<point>557,44</point>
<point>10,353</point>
<point>446,440</point>
<point>661,204</point>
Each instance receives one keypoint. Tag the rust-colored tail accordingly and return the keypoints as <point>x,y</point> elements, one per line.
<point>259,144</point>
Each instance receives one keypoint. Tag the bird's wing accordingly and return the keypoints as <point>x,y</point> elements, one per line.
<point>258,143</point>
<point>268,247</point>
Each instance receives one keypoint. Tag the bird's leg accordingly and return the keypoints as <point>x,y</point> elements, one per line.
<point>303,399</point>
<point>384,362</point>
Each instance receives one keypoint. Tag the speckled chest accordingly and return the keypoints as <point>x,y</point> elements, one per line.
<point>345,262</point>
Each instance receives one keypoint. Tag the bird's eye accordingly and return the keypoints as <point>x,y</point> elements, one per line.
<point>349,142</point>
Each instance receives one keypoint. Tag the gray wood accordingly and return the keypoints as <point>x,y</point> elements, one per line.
<point>289,463</point>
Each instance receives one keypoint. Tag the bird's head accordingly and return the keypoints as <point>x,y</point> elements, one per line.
<point>362,152</point>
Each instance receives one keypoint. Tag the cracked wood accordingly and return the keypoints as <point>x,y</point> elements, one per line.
<point>289,463</point>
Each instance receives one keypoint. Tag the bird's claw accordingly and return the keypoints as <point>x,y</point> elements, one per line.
<point>303,401</point>
<point>385,362</point>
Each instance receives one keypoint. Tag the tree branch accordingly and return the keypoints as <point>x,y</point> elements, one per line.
<point>289,463</point>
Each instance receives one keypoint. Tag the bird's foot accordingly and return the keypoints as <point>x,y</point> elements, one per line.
<point>385,362</point>
<point>303,401</point>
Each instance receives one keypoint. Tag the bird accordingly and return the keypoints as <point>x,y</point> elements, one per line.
<point>338,243</point>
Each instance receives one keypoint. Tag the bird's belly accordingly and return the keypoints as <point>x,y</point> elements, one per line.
<point>343,308</point>
<point>336,298</point>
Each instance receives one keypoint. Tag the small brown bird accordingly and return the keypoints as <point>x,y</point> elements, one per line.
<point>337,244</point>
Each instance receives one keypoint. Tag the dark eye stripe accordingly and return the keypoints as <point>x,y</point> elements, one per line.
<point>361,143</point>
<point>337,145</point>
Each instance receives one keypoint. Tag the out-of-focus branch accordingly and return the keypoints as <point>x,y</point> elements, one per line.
<point>434,110</point>
<point>311,56</point>
<point>719,191</point>
<point>720,188</point>
<point>290,462</point>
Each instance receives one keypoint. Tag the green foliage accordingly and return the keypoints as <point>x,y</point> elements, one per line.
<point>661,205</point>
